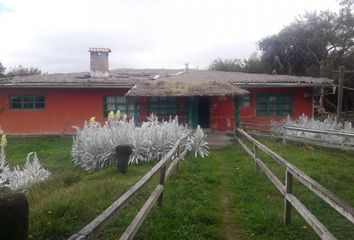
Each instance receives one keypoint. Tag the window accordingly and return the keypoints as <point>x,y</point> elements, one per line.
<point>127,106</point>
<point>274,105</point>
<point>27,102</point>
<point>163,107</point>
<point>246,101</point>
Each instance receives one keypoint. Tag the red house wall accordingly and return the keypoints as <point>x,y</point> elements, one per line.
<point>64,108</point>
<point>302,104</point>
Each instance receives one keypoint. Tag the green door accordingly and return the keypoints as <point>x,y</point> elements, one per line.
<point>237,104</point>
<point>193,112</point>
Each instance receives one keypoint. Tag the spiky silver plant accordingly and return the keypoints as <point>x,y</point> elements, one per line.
<point>94,145</point>
<point>197,143</point>
<point>31,173</point>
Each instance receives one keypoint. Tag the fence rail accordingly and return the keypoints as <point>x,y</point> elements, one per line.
<point>97,224</point>
<point>326,138</point>
<point>290,200</point>
<point>337,139</point>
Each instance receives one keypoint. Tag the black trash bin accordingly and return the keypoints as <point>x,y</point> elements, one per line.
<point>123,153</point>
<point>13,216</point>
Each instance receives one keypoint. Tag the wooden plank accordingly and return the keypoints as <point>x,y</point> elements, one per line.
<point>142,214</point>
<point>338,133</point>
<point>316,225</point>
<point>271,176</point>
<point>323,143</point>
<point>91,229</point>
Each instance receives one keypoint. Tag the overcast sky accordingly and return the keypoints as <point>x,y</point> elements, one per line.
<point>54,35</point>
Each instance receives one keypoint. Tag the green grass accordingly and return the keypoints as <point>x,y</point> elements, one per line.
<point>255,206</point>
<point>213,198</point>
<point>71,198</point>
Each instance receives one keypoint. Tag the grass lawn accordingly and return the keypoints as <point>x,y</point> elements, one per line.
<point>71,198</point>
<point>219,197</point>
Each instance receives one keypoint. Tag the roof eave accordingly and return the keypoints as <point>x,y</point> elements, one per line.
<point>101,85</point>
<point>266,85</point>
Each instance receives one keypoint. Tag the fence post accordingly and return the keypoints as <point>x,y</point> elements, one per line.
<point>288,189</point>
<point>284,135</point>
<point>255,154</point>
<point>162,182</point>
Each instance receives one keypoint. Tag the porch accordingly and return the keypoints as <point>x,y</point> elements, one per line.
<point>213,113</point>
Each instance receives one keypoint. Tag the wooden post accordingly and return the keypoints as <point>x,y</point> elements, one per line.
<point>287,204</point>
<point>162,182</point>
<point>340,92</point>
<point>255,154</point>
<point>284,135</point>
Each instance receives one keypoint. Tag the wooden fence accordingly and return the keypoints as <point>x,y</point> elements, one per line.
<point>173,157</point>
<point>326,138</point>
<point>290,200</point>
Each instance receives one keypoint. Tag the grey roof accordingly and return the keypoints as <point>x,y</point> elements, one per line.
<point>167,82</point>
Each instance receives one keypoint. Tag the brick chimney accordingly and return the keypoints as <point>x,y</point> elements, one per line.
<point>99,62</point>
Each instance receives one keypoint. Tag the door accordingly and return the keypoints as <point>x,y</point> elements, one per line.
<point>204,112</point>
<point>237,104</point>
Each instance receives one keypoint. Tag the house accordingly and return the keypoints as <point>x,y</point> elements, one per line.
<point>53,103</point>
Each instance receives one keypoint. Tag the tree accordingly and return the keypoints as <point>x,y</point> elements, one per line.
<point>2,70</point>
<point>311,44</point>
<point>251,65</point>
<point>23,71</point>
<point>227,65</point>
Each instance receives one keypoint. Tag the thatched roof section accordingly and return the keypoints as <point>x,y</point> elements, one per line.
<point>166,82</point>
<point>216,83</point>
<point>174,86</point>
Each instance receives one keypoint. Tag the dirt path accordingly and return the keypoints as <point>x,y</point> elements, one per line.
<point>229,228</point>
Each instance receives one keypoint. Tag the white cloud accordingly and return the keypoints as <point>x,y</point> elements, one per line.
<point>55,35</point>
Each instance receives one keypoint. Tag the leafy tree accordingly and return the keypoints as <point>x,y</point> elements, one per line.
<point>227,65</point>
<point>311,44</point>
<point>23,71</point>
<point>2,70</point>
<point>251,65</point>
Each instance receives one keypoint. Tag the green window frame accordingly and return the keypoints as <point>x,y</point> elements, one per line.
<point>125,105</point>
<point>273,105</point>
<point>163,107</point>
<point>27,102</point>
<point>246,101</point>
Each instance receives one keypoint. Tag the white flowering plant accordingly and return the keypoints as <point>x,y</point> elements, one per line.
<point>94,144</point>
<point>20,179</point>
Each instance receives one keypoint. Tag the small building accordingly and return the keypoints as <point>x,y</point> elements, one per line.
<point>53,103</point>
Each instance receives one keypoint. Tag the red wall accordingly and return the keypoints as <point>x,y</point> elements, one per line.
<point>302,104</point>
<point>64,108</point>
<point>71,107</point>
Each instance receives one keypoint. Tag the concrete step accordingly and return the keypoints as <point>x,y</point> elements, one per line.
<point>219,140</point>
